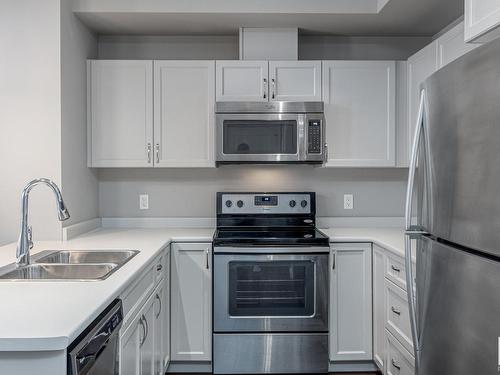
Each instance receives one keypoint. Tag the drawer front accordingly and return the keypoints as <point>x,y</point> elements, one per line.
<point>399,360</point>
<point>397,314</point>
<point>135,295</point>
<point>395,270</point>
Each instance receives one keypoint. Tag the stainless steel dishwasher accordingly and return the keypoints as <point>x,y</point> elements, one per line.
<point>95,351</point>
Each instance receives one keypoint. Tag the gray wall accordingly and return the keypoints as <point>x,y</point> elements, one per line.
<point>317,47</point>
<point>311,47</point>
<point>30,114</point>
<point>191,192</point>
<point>79,183</point>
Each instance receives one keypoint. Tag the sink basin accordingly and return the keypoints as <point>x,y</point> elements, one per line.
<point>118,257</point>
<point>76,265</point>
<point>61,272</point>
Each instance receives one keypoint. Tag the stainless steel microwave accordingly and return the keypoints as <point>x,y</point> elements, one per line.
<point>273,132</point>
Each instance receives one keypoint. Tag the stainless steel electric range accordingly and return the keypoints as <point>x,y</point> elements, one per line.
<point>270,285</point>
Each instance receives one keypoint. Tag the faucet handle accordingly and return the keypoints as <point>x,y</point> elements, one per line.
<point>30,237</point>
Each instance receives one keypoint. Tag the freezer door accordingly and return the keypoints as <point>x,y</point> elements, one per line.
<point>462,148</point>
<point>458,311</point>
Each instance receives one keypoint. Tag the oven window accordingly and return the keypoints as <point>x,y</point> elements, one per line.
<point>273,288</point>
<point>259,137</point>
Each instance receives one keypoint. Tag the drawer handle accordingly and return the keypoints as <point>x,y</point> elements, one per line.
<point>159,267</point>
<point>395,311</point>
<point>395,364</point>
<point>395,269</point>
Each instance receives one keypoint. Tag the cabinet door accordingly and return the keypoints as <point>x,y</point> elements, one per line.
<point>351,302</point>
<point>242,81</point>
<point>160,335</point>
<point>130,353</point>
<point>191,305</point>
<point>295,80</point>
<point>184,113</point>
<point>482,20</point>
<point>360,113</point>
<point>165,318</point>
<point>379,340</point>
<point>120,97</point>
<point>452,45</point>
<point>420,66</point>
<point>147,346</point>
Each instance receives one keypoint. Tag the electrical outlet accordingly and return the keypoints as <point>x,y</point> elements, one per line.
<point>348,202</point>
<point>143,202</point>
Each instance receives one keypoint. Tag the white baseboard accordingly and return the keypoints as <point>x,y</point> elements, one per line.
<point>80,228</point>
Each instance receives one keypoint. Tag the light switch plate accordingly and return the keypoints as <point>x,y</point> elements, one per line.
<point>348,202</point>
<point>143,202</point>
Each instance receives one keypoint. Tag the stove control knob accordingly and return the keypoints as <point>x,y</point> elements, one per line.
<point>303,203</point>
<point>293,203</point>
<point>239,203</point>
<point>229,203</point>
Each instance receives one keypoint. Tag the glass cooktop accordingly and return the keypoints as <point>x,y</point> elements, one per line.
<point>270,236</point>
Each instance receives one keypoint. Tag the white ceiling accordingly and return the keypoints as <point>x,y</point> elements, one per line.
<point>338,17</point>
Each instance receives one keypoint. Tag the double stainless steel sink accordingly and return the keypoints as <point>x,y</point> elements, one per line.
<point>75,265</point>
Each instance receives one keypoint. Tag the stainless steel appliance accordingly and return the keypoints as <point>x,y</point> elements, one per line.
<point>274,132</point>
<point>455,168</point>
<point>95,351</point>
<point>270,285</point>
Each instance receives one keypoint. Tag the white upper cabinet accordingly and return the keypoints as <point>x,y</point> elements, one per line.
<point>420,66</point>
<point>360,113</point>
<point>184,97</point>
<point>120,113</point>
<point>482,20</point>
<point>452,45</point>
<point>295,80</point>
<point>351,302</point>
<point>242,81</point>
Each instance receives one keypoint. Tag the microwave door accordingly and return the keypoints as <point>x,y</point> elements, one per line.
<point>258,138</point>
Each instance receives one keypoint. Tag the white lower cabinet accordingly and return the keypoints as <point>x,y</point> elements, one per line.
<point>137,343</point>
<point>379,341</point>
<point>351,302</point>
<point>144,337</point>
<point>191,301</point>
<point>392,338</point>
<point>399,360</point>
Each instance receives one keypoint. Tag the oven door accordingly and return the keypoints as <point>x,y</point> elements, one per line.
<point>271,292</point>
<point>256,137</point>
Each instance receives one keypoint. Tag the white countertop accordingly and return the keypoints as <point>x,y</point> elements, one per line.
<point>49,315</point>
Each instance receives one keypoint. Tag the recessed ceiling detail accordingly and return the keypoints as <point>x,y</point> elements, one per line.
<point>225,17</point>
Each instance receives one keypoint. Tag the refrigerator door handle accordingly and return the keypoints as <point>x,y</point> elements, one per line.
<point>410,232</point>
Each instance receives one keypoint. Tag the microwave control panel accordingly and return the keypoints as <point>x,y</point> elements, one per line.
<point>314,137</point>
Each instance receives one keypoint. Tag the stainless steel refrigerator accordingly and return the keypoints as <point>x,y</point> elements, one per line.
<point>454,193</point>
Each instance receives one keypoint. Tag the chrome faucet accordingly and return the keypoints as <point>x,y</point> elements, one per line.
<point>25,242</point>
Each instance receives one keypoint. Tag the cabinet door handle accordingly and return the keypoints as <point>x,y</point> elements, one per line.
<point>265,88</point>
<point>143,326</point>
<point>159,301</point>
<point>395,364</point>
<point>148,148</point>
<point>157,153</point>
<point>395,269</point>
<point>207,254</point>
<point>334,260</point>
<point>395,311</point>
<point>273,83</point>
